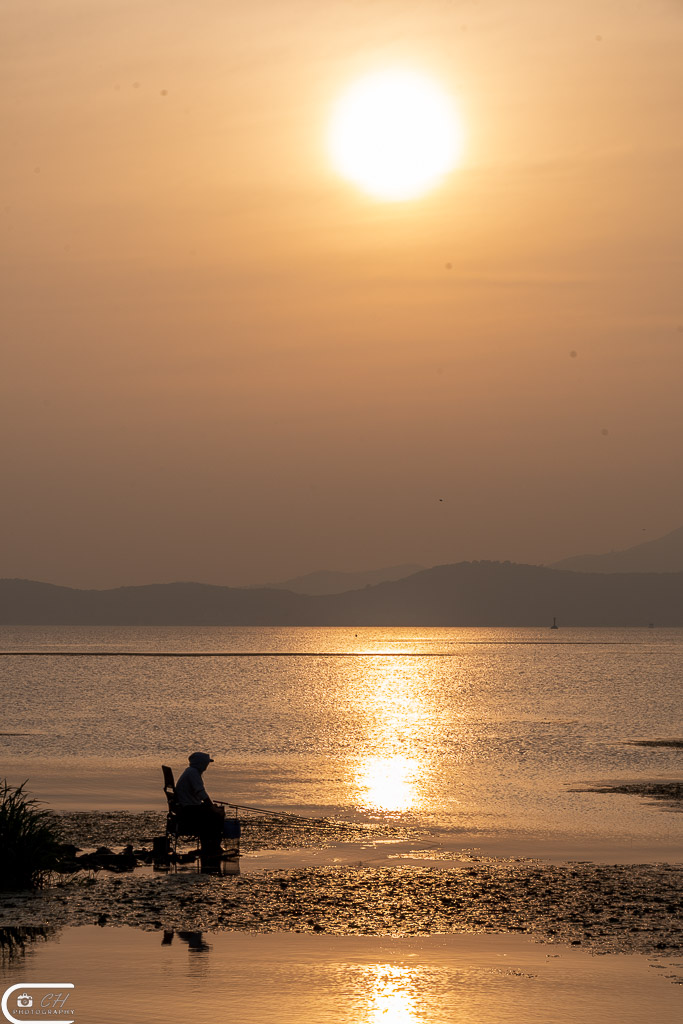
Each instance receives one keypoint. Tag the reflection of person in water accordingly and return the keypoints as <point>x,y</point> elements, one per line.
<point>195,941</point>
<point>198,813</point>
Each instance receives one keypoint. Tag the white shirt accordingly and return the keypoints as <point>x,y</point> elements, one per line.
<point>189,789</point>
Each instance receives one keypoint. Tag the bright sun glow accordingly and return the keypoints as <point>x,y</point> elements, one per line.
<point>395,134</point>
<point>393,998</point>
<point>389,783</point>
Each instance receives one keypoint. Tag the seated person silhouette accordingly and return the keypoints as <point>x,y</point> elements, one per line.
<point>197,813</point>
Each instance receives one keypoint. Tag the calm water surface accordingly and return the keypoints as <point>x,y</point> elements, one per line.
<point>147,977</point>
<point>465,729</point>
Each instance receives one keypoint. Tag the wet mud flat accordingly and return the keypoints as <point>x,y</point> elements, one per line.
<point>607,908</point>
<point>596,906</point>
<point>91,829</point>
<point>670,793</point>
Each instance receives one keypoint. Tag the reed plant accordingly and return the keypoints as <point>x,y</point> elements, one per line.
<point>29,840</point>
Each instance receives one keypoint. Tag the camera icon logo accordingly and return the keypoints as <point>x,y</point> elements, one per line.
<point>47,1001</point>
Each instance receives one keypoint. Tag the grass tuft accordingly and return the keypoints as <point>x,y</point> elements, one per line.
<point>29,840</point>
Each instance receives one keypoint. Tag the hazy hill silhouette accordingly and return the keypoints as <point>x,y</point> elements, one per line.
<point>326,581</point>
<point>24,602</point>
<point>507,594</point>
<point>665,554</point>
<point>466,594</point>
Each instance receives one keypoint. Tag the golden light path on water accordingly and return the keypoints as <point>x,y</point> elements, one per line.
<point>393,778</point>
<point>389,783</point>
<point>391,1001</point>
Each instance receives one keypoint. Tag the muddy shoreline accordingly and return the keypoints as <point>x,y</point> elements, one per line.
<point>616,908</point>
<point>604,907</point>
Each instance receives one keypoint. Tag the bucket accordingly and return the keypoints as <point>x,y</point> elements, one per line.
<point>160,850</point>
<point>231,828</point>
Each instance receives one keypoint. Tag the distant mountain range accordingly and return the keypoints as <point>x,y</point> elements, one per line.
<point>466,594</point>
<point>665,554</point>
<point>326,581</point>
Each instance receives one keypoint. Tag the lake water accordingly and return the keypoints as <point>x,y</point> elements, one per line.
<point>147,977</point>
<point>477,731</point>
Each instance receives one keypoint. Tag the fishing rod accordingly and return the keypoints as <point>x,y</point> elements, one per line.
<point>298,818</point>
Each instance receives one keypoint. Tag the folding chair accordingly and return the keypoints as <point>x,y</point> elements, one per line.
<point>174,830</point>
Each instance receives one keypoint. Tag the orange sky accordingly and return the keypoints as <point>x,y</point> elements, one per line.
<point>223,363</point>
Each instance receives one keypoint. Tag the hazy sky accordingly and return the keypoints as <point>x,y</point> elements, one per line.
<point>221,362</point>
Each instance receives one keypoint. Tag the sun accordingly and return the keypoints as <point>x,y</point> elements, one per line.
<point>395,134</point>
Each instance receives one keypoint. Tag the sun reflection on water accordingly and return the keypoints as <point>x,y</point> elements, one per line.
<point>390,776</point>
<point>392,1002</point>
<point>389,783</point>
